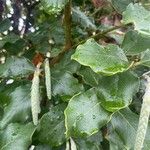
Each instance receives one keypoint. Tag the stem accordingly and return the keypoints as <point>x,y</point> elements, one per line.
<point>144,117</point>
<point>67,26</point>
<point>100,34</point>
<point>96,37</point>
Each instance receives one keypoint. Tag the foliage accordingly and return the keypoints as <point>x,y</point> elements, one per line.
<point>95,77</point>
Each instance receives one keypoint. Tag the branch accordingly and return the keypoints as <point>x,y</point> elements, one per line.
<point>100,34</point>
<point>96,37</point>
<point>67,26</point>
<point>68,37</point>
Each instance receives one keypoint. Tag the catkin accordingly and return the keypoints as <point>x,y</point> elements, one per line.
<point>73,144</point>
<point>67,146</point>
<point>144,118</point>
<point>35,96</point>
<point>48,78</point>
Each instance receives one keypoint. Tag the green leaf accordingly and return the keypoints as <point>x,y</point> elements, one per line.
<point>84,115</point>
<point>66,64</point>
<point>17,105</point>
<point>139,16</point>
<point>47,147</point>
<point>16,137</point>
<point>80,17</point>
<point>116,92</point>
<point>51,129</point>
<point>108,60</point>
<point>90,143</point>
<point>89,76</point>
<point>15,66</point>
<point>16,47</point>
<point>120,5</point>
<point>122,131</point>
<point>53,6</point>
<point>10,38</point>
<point>4,25</point>
<point>65,85</point>
<point>135,43</point>
<point>145,58</point>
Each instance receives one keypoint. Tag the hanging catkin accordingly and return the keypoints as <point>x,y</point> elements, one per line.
<point>48,78</point>
<point>35,96</point>
<point>144,117</point>
<point>71,145</point>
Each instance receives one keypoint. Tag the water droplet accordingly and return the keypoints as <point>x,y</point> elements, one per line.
<point>94,116</point>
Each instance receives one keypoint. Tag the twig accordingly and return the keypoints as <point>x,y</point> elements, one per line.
<point>96,37</point>
<point>67,26</point>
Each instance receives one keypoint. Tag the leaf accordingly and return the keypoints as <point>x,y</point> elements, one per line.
<point>53,6</point>
<point>15,47</point>
<point>108,60</point>
<point>145,58</point>
<point>10,39</point>
<point>49,36</point>
<point>116,92</point>
<point>65,85</point>
<point>66,64</point>
<point>139,16</point>
<point>80,17</point>
<point>15,66</point>
<point>51,129</point>
<point>122,131</point>
<point>16,137</point>
<point>47,147</point>
<point>120,5</point>
<point>4,25</point>
<point>17,109</point>
<point>90,143</point>
<point>84,115</point>
<point>135,43</point>
<point>89,76</point>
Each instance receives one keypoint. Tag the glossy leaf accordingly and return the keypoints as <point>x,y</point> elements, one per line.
<point>16,137</point>
<point>89,76</point>
<point>120,5</point>
<point>16,105</point>
<point>122,131</point>
<point>116,92</point>
<point>84,115</point>
<point>51,129</point>
<point>10,39</point>
<point>66,64</point>
<point>4,25</point>
<point>135,43</point>
<point>91,143</point>
<point>139,16</point>
<point>79,17</point>
<point>108,60</point>
<point>15,66</point>
<point>145,58</point>
<point>65,85</point>
<point>53,6</point>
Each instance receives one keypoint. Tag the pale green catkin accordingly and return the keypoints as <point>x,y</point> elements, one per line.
<point>71,146</point>
<point>48,78</point>
<point>144,118</point>
<point>35,96</point>
<point>67,146</point>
